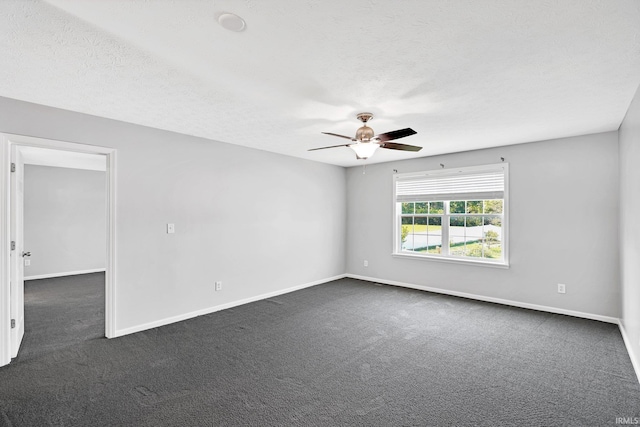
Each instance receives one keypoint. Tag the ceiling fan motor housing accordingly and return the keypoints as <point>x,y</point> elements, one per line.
<point>365,133</point>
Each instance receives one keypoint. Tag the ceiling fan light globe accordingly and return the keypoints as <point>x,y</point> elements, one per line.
<point>364,150</point>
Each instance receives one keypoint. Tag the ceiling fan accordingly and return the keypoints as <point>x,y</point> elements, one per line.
<point>366,142</point>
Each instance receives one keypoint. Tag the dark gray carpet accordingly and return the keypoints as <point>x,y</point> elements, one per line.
<point>61,312</point>
<point>342,353</point>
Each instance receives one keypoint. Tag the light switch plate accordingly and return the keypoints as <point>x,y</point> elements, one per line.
<point>171,228</point>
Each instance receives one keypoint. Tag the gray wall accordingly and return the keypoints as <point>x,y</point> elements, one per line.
<point>262,222</point>
<point>64,220</point>
<point>630,225</point>
<point>257,221</point>
<point>562,197</point>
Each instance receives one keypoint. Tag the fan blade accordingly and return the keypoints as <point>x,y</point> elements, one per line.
<point>332,146</point>
<point>403,147</point>
<point>340,136</point>
<point>396,134</point>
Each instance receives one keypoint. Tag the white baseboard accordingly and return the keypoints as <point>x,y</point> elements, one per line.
<point>632,355</point>
<point>208,310</point>
<point>555,310</point>
<point>66,273</point>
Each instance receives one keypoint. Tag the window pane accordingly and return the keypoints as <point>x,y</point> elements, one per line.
<point>420,240</point>
<point>474,221</point>
<point>407,208</point>
<point>435,224</point>
<point>436,207</point>
<point>465,247</point>
<point>474,207</point>
<point>473,236</point>
<point>465,236</point>
<point>494,221</point>
<point>473,248</point>
<point>492,250</point>
<point>420,225</point>
<point>492,247</point>
<point>457,206</point>
<point>456,235</point>
<point>407,234</point>
<point>434,230</point>
<point>421,207</point>
<point>457,246</point>
<point>493,206</point>
<point>456,222</point>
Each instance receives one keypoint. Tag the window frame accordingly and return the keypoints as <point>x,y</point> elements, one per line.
<point>446,215</point>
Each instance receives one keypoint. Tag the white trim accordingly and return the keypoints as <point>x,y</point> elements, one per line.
<point>5,271</point>
<point>632,355</point>
<point>464,261</point>
<point>110,274</point>
<point>209,310</point>
<point>16,202</point>
<point>67,273</point>
<point>519,304</point>
<point>39,156</point>
<point>6,141</point>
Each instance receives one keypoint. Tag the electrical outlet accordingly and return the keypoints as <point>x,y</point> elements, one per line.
<point>561,288</point>
<point>171,228</point>
<point>218,286</point>
<point>366,263</point>
<point>27,262</point>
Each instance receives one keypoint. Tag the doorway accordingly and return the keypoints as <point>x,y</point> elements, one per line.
<point>15,149</point>
<point>64,217</point>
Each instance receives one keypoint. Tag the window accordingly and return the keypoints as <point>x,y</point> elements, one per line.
<point>455,214</point>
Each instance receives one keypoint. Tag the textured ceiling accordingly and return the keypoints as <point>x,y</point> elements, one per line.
<point>464,74</point>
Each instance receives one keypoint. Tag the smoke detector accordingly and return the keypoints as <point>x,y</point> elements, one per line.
<point>231,21</point>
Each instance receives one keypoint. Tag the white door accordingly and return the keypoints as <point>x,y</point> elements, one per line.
<point>17,254</point>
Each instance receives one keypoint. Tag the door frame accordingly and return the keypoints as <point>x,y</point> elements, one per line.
<point>16,258</point>
<point>6,142</point>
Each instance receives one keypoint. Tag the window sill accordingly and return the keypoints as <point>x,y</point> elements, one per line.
<point>452,260</point>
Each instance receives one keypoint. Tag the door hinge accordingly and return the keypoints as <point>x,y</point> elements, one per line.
<point>13,167</point>
<point>13,323</point>
<point>13,245</point>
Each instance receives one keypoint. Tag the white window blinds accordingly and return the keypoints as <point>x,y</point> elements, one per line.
<point>480,183</point>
